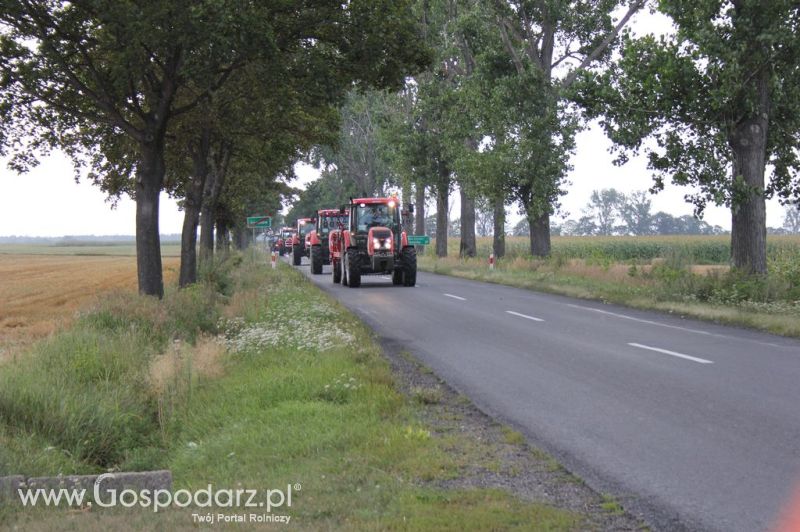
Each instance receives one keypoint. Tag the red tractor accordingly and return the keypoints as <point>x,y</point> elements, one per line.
<point>300,243</point>
<point>328,220</point>
<point>284,244</point>
<point>374,243</point>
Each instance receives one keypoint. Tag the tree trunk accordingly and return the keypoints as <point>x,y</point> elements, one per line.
<point>222,235</point>
<point>499,238</point>
<point>442,201</point>
<point>191,217</point>
<point>467,247</point>
<point>749,214</point>
<point>540,234</point>
<point>209,208</point>
<point>408,217</point>
<point>419,214</point>
<point>239,237</point>
<point>149,180</point>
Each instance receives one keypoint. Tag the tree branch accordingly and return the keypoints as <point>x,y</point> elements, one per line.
<point>573,75</point>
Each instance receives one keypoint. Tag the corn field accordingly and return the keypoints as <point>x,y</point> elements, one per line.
<point>698,249</point>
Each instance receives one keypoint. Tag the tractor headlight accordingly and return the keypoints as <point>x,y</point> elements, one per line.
<point>376,243</point>
<point>387,244</point>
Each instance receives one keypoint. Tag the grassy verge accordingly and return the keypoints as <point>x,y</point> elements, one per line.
<point>255,379</point>
<point>672,284</point>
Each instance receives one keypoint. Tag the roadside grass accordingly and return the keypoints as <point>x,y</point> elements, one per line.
<point>267,384</point>
<point>671,282</point>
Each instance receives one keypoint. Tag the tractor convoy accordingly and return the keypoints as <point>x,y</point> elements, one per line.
<point>364,237</point>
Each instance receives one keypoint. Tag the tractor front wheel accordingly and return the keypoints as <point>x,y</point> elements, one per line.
<point>296,254</point>
<point>409,266</point>
<point>316,260</point>
<point>397,277</point>
<point>336,268</point>
<point>353,272</point>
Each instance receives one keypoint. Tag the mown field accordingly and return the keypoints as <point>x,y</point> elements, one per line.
<point>78,248</point>
<point>42,287</point>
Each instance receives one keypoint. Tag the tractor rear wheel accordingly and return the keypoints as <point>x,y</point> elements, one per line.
<point>409,266</point>
<point>296,254</point>
<point>353,273</point>
<point>336,268</point>
<point>316,260</point>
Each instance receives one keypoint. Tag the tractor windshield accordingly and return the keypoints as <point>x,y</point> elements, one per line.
<point>305,227</point>
<point>331,223</point>
<point>375,215</point>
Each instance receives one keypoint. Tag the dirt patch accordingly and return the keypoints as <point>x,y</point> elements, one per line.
<point>495,455</point>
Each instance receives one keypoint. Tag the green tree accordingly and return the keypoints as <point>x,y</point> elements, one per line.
<point>791,218</point>
<point>114,75</point>
<point>635,209</point>
<point>721,99</point>
<point>548,43</point>
<point>602,210</point>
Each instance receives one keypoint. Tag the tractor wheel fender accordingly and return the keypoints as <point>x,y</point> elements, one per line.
<point>403,239</point>
<point>314,238</point>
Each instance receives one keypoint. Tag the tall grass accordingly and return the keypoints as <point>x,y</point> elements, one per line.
<point>87,390</point>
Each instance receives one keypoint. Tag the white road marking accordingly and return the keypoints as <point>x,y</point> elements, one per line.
<point>456,297</point>
<point>523,316</point>
<point>672,353</point>
<point>640,320</point>
<point>678,327</point>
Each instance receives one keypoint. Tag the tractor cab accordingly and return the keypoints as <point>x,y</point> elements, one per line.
<point>304,226</point>
<point>329,224</point>
<point>285,240</point>
<point>330,220</point>
<point>375,225</point>
<point>300,243</point>
<point>375,243</point>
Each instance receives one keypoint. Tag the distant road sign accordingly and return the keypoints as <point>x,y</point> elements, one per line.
<point>259,221</point>
<point>419,240</point>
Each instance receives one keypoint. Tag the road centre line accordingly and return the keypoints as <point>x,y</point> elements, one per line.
<point>533,318</point>
<point>640,320</point>
<point>455,297</point>
<point>671,353</point>
<point>678,327</point>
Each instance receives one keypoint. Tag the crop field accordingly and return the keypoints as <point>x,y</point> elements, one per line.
<point>697,249</point>
<point>42,287</point>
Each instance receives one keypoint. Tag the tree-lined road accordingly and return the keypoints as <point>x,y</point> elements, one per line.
<point>692,425</point>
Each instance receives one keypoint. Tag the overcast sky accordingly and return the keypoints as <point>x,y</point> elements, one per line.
<point>48,202</point>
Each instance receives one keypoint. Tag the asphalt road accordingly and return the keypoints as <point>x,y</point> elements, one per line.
<point>691,425</point>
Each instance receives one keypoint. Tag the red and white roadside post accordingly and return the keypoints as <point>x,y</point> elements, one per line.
<point>491,261</point>
<point>274,258</point>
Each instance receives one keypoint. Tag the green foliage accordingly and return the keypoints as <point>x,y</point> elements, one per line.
<point>719,99</point>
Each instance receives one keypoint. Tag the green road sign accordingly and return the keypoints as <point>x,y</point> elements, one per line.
<point>419,240</point>
<point>259,221</point>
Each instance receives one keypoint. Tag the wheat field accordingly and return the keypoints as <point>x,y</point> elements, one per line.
<point>41,292</point>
